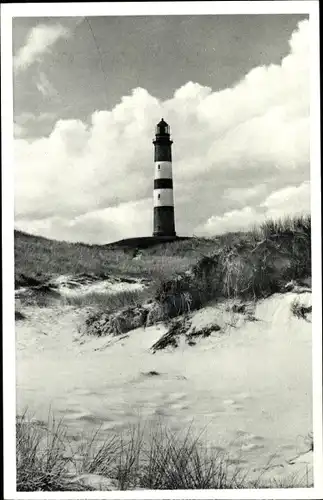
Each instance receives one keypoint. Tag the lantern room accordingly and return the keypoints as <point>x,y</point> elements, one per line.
<point>162,128</point>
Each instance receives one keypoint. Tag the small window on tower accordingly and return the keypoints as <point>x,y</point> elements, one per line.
<point>159,196</point>
<point>158,167</point>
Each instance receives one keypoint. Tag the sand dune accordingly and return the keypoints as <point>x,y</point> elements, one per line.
<point>248,385</point>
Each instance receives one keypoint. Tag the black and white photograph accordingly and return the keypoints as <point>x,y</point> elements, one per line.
<point>161,250</point>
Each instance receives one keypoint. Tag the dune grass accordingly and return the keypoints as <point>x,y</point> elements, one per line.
<point>40,460</point>
<point>181,278</point>
<point>248,266</point>
<point>108,301</point>
<point>153,458</point>
<point>38,259</point>
<point>157,459</point>
<point>241,266</point>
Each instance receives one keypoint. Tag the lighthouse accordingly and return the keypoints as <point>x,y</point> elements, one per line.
<point>164,217</point>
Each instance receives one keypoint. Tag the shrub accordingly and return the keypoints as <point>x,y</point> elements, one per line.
<point>249,266</point>
<point>19,316</point>
<point>300,310</point>
<point>101,323</point>
<point>181,294</point>
<point>170,338</point>
<point>108,301</point>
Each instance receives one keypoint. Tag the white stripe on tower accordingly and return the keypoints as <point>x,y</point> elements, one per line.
<point>163,198</point>
<point>163,170</point>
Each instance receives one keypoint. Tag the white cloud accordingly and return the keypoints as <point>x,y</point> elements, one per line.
<point>242,195</point>
<point>236,220</point>
<point>231,148</point>
<point>39,41</point>
<point>44,86</point>
<point>292,200</point>
<point>289,200</point>
<point>100,226</point>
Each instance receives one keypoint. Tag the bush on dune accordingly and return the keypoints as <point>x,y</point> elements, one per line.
<point>246,266</point>
<point>19,316</point>
<point>279,251</point>
<point>300,310</point>
<point>253,265</point>
<point>108,301</point>
<point>102,323</point>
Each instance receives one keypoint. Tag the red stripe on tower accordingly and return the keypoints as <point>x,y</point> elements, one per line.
<point>164,218</point>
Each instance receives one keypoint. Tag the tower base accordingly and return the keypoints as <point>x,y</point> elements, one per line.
<point>163,235</point>
<point>164,223</point>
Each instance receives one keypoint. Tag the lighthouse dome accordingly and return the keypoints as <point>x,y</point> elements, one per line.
<point>162,128</point>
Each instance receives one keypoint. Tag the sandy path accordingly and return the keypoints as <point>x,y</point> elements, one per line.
<point>251,385</point>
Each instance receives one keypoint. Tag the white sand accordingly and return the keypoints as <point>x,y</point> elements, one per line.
<point>249,383</point>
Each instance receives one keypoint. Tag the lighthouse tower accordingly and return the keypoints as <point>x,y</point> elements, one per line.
<point>164,219</point>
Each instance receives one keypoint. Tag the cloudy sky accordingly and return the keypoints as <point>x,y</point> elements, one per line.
<point>89,91</point>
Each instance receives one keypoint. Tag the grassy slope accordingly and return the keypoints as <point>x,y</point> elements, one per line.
<point>252,261</point>
<point>41,258</point>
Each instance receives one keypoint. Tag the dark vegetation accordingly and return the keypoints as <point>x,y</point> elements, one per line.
<point>300,310</point>
<point>182,275</point>
<point>254,263</point>
<point>110,302</point>
<point>253,266</point>
<point>19,315</point>
<point>248,266</point>
<point>176,329</point>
